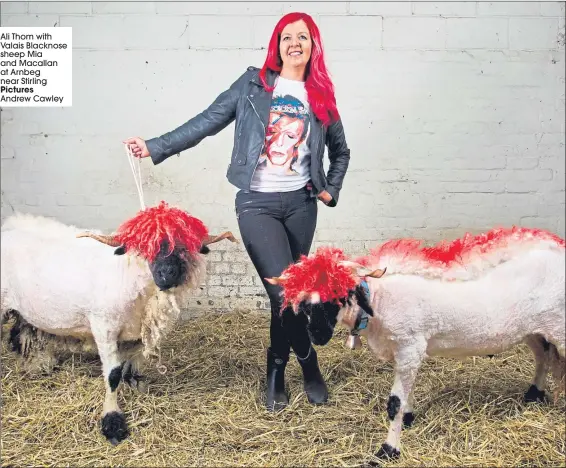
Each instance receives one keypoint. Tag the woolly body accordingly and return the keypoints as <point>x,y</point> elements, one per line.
<point>61,287</point>
<point>484,315</point>
<point>70,287</point>
<point>498,295</point>
<point>479,295</point>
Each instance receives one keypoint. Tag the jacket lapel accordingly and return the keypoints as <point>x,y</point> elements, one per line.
<point>261,98</point>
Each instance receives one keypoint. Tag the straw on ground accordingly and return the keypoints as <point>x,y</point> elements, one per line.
<point>207,410</point>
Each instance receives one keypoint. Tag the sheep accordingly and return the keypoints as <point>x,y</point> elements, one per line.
<point>66,291</point>
<point>478,295</point>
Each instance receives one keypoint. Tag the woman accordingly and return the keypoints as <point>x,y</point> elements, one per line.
<point>284,116</point>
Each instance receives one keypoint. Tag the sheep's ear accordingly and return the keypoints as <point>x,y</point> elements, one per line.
<point>120,250</point>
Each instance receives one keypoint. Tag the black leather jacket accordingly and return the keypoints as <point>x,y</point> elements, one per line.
<point>248,103</point>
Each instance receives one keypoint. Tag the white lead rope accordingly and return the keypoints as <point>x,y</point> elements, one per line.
<point>137,177</point>
<point>138,180</point>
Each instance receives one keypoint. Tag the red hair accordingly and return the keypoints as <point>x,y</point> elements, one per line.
<point>319,87</point>
<point>319,273</point>
<point>145,232</point>
<point>445,254</point>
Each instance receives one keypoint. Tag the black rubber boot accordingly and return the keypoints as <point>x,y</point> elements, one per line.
<point>276,398</point>
<point>315,387</point>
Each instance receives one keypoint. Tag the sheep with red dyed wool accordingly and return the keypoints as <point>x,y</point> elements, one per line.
<point>478,295</point>
<point>71,293</point>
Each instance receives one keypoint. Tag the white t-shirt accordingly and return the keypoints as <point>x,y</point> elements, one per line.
<point>284,164</point>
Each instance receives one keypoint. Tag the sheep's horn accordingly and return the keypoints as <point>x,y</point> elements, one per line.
<point>108,240</point>
<point>378,273</point>
<point>216,238</point>
<point>275,280</point>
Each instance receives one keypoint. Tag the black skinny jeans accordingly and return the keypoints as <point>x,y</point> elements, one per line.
<point>277,228</point>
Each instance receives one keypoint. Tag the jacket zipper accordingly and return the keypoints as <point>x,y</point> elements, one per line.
<point>264,133</point>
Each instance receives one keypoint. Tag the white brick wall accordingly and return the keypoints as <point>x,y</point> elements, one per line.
<point>454,112</point>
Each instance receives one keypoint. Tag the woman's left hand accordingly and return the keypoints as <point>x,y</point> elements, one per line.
<point>325,197</point>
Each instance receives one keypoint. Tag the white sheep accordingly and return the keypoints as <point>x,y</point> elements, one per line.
<point>73,293</point>
<point>479,295</point>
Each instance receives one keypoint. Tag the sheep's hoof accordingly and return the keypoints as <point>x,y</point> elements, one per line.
<point>142,386</point>
<point>114,427</point>
<point>534,395</point>
<point>408,419</point>
<point>387,452</point>
<point>138,383</point>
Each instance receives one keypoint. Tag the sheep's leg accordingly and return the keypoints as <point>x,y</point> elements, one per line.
<point>114,426</point>
<point>131,375</point>
<point>407,363</point>
<point>540,348</point>
<point>408,415</point>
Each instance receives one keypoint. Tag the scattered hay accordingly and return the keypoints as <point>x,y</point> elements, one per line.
<point>207,410</point>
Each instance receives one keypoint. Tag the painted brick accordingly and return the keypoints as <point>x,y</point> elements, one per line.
<point>7,153</point>
<point>221,268</point>
<point>509,8</point>
<point>31,21</point>
<point>238,268</point>
<point>342,33</point>
<point>235,257</point>
<point>213,280</point>
<point>155,32</point>
<point>381,8</point>
<point>219,8</point>
<point>555,163</point>
<point>522,163</point>
<point>123,7</point>
<point>6,115</point>
<point>95,32</point>
<point>245,280</point>
<point>477,33</point>
<point>317,8</point>
<point>262,29</point>
<point>214,256</point>
<point>252,290</point>
<point>426,33</point>
<point>230,280</point>
<point>552,8</point>
<point>444,8</point>
<point>221,291</point>
<point>522,186</point>
<point>481,162</point>
<point>445,141</point>
<point>533,33</point>
<point>60,8</point>
<point>9,8</point>
<point>210,32</point>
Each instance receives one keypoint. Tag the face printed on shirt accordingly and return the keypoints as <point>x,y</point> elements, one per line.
<point>287,129</point>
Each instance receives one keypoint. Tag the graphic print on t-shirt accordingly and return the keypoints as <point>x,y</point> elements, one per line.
<point>287,130</point>
<point>284,164</point>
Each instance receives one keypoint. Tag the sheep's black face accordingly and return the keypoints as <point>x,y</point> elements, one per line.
<point>169,270</point>
<point>322,318</point>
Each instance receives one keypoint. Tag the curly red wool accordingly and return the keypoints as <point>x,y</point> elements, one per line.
<point>446,253</point>
<point>319,273</point>
<point>145,232</point>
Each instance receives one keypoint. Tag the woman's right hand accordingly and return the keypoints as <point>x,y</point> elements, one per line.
<point>137,147</point>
